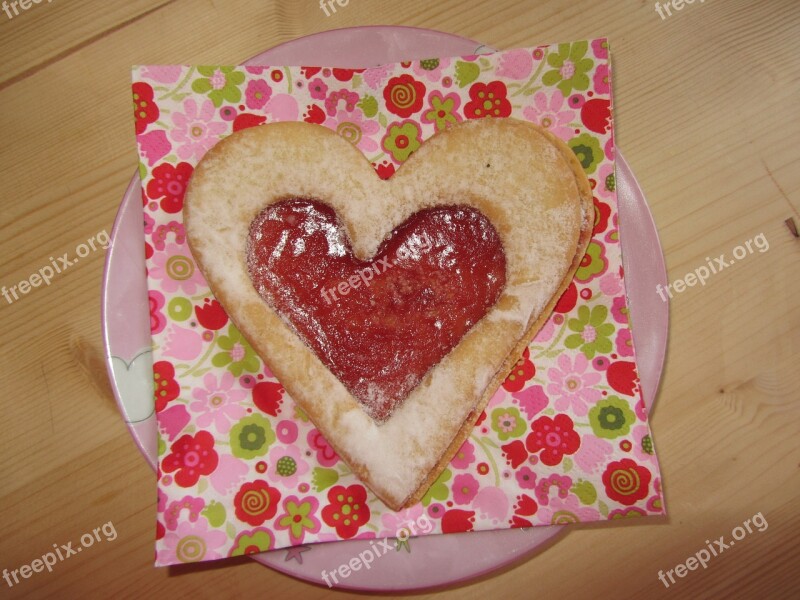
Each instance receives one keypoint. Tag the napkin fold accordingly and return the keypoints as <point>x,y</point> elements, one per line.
<point>241,469</point>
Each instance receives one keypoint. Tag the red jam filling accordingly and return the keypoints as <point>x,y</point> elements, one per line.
<point>379,325</point>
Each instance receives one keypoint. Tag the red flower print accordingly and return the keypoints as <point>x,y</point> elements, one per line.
<point>384,169</point>
<point>518,522</point>
<point>309,72</point>
<point>256,502</point>
<point>191,456</point>
<point>211,315</point>
<point>555,437</point>
<point>346,74</point>
<point>602,212</point>
<point>245,120</point>
<point>268,396</point>
<point>522,372</point>
<point>525,505</point>
<point>404,95</point>
<point>314,114</point>
<point>626,482</point>
<point>165,388</point>
<point>145,110</point>
<point>347,509</point>
<point>514,453</point>
<point>456,520</point>
<point>568,299</point>
<point>169,183</point>
<point>622,377</point>
<point>487,100</point>
<point>596,115</point>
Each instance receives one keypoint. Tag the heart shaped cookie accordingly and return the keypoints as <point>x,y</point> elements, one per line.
<point>390,310</point>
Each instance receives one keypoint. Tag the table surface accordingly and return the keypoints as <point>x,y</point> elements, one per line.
<point>707,113</point>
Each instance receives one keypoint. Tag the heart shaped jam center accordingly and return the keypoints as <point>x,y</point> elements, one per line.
<point>379,325</point>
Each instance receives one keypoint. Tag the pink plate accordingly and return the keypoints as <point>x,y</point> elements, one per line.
<point>439,559</point>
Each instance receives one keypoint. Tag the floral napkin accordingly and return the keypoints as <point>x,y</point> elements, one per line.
<point>241,468</point>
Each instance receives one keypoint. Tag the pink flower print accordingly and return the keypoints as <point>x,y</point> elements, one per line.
<point>465,456</point>
<point>175,270</point>
<point>546,332</point>
<point>600,48</point>
<point>182,343</point>
<point>157,319</point>
<point>326,455</point>
<point>526,478</point>
<point>516,64</point>
<point>188,503</point>
<point>282,107</point>
<point>562,511</point>
<point>571,386</point>
<point>609,148</point>
<point>346,97</point>
<point>611,283</point>
<point>257,93</point>
<point>497,398</point>
<point>532,400</point>
<point>148,224</point>
<point>601,80</point>
<point>163,73</point>
<point>641,410</point>
<point>619,310</point>
<point>172,420</point>
<point>431,69</point>
<point>161,504</point>
<point>547,113</point>
<point>375,76</point>
<point>217,402</point>
<point>593,453</point>
<point>465,488</point>
<point>561,483</point>
<point>317,89</point>
<point>624,342</point>
<point>491,503</point>
<point>356,129</point>
<point>191,542</point>
<point>195,129</point>
<point>154,145</point>
<point>394,522</point>
<point>229,474</point>
<point>162,231</point>
<point>605,180</point>
<point>286,465</point>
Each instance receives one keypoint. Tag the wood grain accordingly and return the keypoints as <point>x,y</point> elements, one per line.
<point>706,114</point>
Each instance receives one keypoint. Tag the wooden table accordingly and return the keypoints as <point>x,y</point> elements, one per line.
<point>708,115</point>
